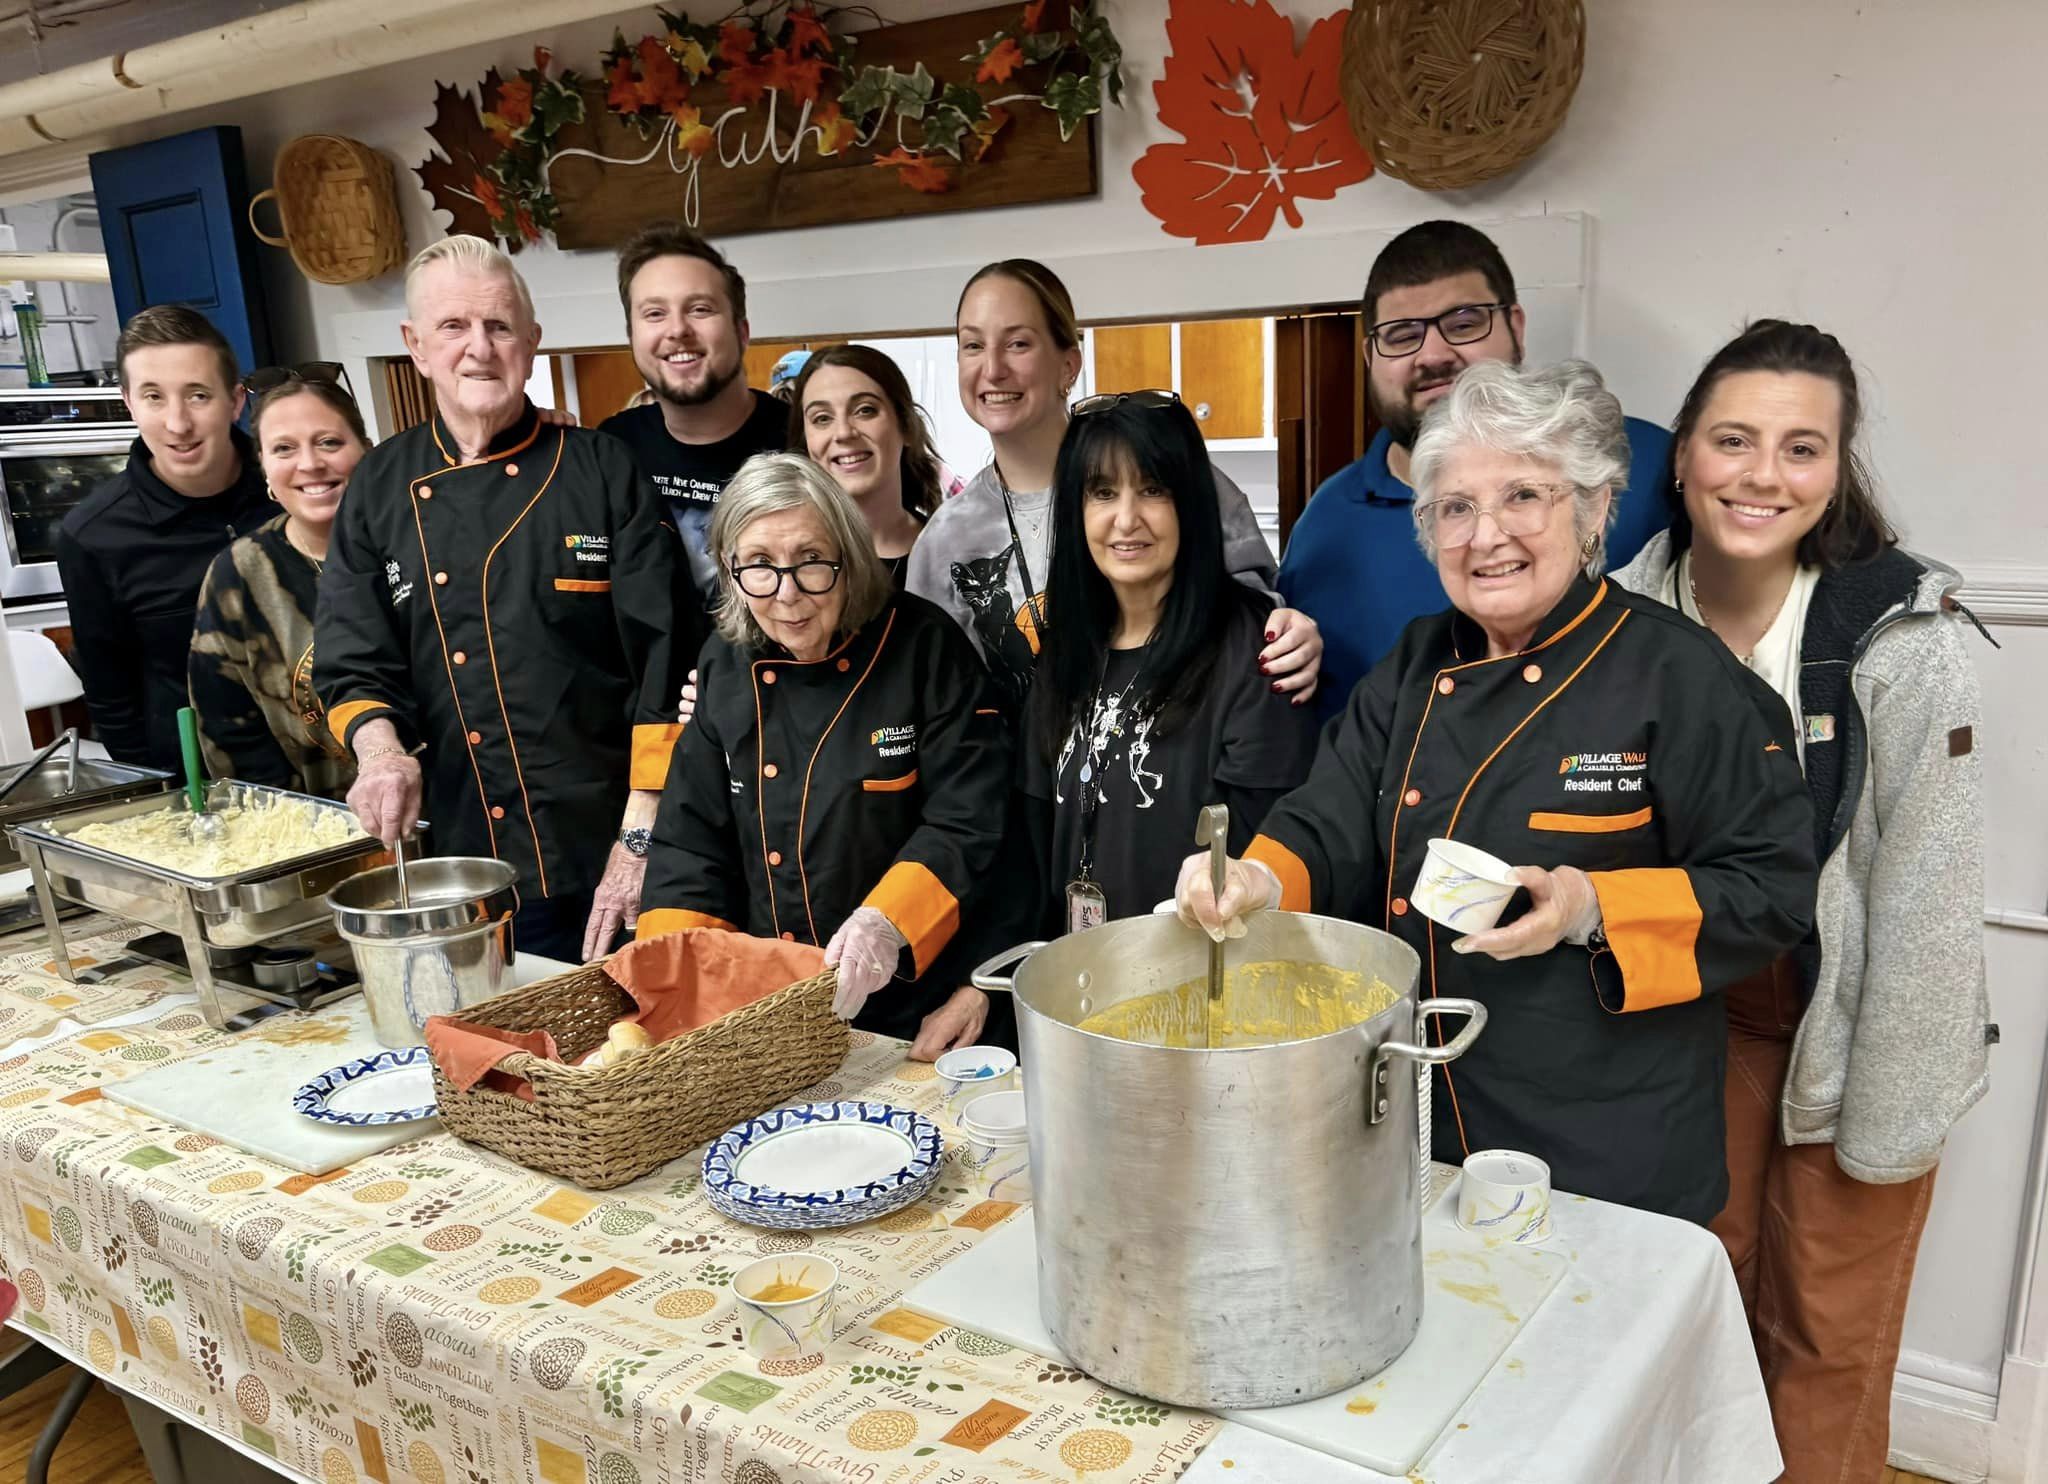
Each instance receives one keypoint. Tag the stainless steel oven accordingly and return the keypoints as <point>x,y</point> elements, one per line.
<point>55,445</point>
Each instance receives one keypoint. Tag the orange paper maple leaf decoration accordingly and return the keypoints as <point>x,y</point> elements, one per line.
<point>1265,125</point>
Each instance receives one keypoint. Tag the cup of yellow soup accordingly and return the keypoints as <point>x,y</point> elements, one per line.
<point>785,1308</point>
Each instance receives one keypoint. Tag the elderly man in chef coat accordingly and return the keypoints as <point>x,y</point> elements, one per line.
<point>504,623</point>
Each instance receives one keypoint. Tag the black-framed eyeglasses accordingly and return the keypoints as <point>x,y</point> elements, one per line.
<point>764,579</point>
<point>1103,401</point>
<point>1460,326</point>
<point>270,378</point>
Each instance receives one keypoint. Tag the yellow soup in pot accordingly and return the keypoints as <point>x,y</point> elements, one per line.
<point>1268,1003</point>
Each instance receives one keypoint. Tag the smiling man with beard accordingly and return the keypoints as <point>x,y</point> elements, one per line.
<point>1439,298</point>
<point>686,320</point>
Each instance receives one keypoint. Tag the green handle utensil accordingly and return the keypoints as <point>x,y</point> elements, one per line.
<point>204,824</point>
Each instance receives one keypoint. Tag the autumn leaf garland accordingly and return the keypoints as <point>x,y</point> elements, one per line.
<point>493,178</point>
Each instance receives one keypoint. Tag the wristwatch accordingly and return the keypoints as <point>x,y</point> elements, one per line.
<point>636,841</point>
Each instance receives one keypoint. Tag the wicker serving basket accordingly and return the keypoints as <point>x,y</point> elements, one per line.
<point>338,207</point>
<point>600,1127</point>
<point>1446,94</point>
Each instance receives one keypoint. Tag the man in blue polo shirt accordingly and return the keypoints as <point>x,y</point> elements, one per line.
<point>1439,298</point>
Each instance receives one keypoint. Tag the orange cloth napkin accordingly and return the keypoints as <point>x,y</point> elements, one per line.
<point>679,981</point>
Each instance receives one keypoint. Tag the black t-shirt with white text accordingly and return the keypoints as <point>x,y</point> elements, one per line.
<point>691,476</point>
<point>1244,746</point>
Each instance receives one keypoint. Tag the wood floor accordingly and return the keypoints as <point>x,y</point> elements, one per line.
<point>100,1447</point>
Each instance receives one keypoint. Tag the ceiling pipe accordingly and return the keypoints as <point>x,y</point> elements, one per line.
<point>303,43</point>
<point>54,267</point>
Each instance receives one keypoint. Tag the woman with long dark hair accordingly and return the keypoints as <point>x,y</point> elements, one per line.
<point>1850,1058</point>
<point>1147,702</point>
<point>986,553</point>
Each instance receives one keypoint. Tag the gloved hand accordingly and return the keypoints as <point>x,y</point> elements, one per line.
<point>1564,908</point>
<point>1247,887</point>
<point>864,950</point>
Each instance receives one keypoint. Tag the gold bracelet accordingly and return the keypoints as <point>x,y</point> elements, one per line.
<point>376,752</point>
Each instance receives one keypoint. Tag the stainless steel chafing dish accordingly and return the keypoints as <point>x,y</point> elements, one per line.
<point>48,785</point>
<point>214,918</point>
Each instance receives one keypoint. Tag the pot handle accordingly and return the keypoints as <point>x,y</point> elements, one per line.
<point>1457,1046</point>
<point>987,980</point>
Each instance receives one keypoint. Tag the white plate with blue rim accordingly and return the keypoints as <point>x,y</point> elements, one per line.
<point>390,1087</point>
<point>822,1164</point>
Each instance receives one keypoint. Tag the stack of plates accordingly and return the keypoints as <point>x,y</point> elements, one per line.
<point>822,1164</point>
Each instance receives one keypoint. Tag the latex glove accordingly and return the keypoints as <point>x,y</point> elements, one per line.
<point>956,1023</point>
<point>1564,908</point>
<point>687,706</point>
<point>1247,887</point>
<point>1293,656</point>
<point>616,903</point>
<point>864,950</point>
<point>386,796</point>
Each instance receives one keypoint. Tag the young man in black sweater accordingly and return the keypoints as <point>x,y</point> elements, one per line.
<point>133,552</point>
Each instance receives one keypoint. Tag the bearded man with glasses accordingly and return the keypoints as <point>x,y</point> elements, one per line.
<point>1439,298</point>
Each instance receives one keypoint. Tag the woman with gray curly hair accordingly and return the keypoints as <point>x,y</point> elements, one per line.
<point>1550,717</point>
<point>843,782</point>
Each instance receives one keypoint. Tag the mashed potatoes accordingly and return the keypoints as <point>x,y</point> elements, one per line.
<point>261,831</point>
<point>1263,1004</point>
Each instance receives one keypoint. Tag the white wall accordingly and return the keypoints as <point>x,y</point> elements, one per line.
<point>1872,165</point>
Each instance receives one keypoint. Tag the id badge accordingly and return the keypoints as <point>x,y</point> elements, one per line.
<point>1087,907</point>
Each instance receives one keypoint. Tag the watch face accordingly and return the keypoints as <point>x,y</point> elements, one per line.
<point>636,841</point>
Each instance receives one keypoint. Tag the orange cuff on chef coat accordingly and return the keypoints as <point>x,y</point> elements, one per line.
<point>1295,892</point>
<point>1652,920</point>
<point>920,907</point>
<point>342,717</point>
<point>653,745</point>
<point>663,920</point>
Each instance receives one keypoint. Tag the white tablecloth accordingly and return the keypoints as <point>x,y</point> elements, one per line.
<point>1638,1370</point>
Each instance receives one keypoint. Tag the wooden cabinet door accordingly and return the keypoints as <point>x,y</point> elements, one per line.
<point>1223,376</point>
<point>1133,358</point>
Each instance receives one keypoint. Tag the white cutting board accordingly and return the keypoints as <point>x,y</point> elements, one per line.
<point>242,1093</point>
<point>1475,1300</point>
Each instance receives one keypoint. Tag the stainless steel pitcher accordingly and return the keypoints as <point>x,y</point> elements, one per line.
<point>1229,1227</point>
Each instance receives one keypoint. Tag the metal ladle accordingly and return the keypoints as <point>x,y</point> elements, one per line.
<point>398,859</point>
<point>1212,828</point>
<point>205,824</point>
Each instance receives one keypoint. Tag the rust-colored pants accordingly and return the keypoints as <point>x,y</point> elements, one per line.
<point>1823,1261</point>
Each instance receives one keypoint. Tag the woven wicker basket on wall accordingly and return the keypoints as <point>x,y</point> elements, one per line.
<point>338,207</point>
<point>600,1127</point>
<point>1445,94</point>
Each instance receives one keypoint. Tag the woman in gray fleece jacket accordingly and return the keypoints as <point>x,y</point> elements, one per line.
<point>1850,1059</point>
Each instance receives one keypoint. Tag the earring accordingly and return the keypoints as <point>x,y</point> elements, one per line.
<point>1678,487</point>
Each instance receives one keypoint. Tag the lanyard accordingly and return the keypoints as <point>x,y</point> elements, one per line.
<point>1031,597</point>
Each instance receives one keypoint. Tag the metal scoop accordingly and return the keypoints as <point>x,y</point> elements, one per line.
<point>398,859</point>
<point>1212,828</point>
<point>205,824</point>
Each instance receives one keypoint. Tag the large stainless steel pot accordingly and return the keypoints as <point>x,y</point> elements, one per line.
<point>1237,1227</point>
<point>448,947</point>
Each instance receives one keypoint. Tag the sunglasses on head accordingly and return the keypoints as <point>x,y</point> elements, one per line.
<point>1156,397</point>
<point>270,378</point>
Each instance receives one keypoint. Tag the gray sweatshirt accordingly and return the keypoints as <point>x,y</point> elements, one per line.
<point>968,563</point>
<point>1894,1046</point>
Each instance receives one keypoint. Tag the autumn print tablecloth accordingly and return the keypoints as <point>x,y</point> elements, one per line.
<point>438,1314</point>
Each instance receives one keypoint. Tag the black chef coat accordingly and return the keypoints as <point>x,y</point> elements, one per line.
<point>132,555</point>
<point>520,615</point>
<point>1625,741</point>
<point>877,776</point>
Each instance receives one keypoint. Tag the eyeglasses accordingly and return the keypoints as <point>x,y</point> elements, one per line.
<point>1454,520</point>
<point>270,378</point>
<point>1156,397</point>
<point>764,579</point>
<point>1459,326</point>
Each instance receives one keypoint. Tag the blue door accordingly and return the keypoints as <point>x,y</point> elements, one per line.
<point>175,216</point>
